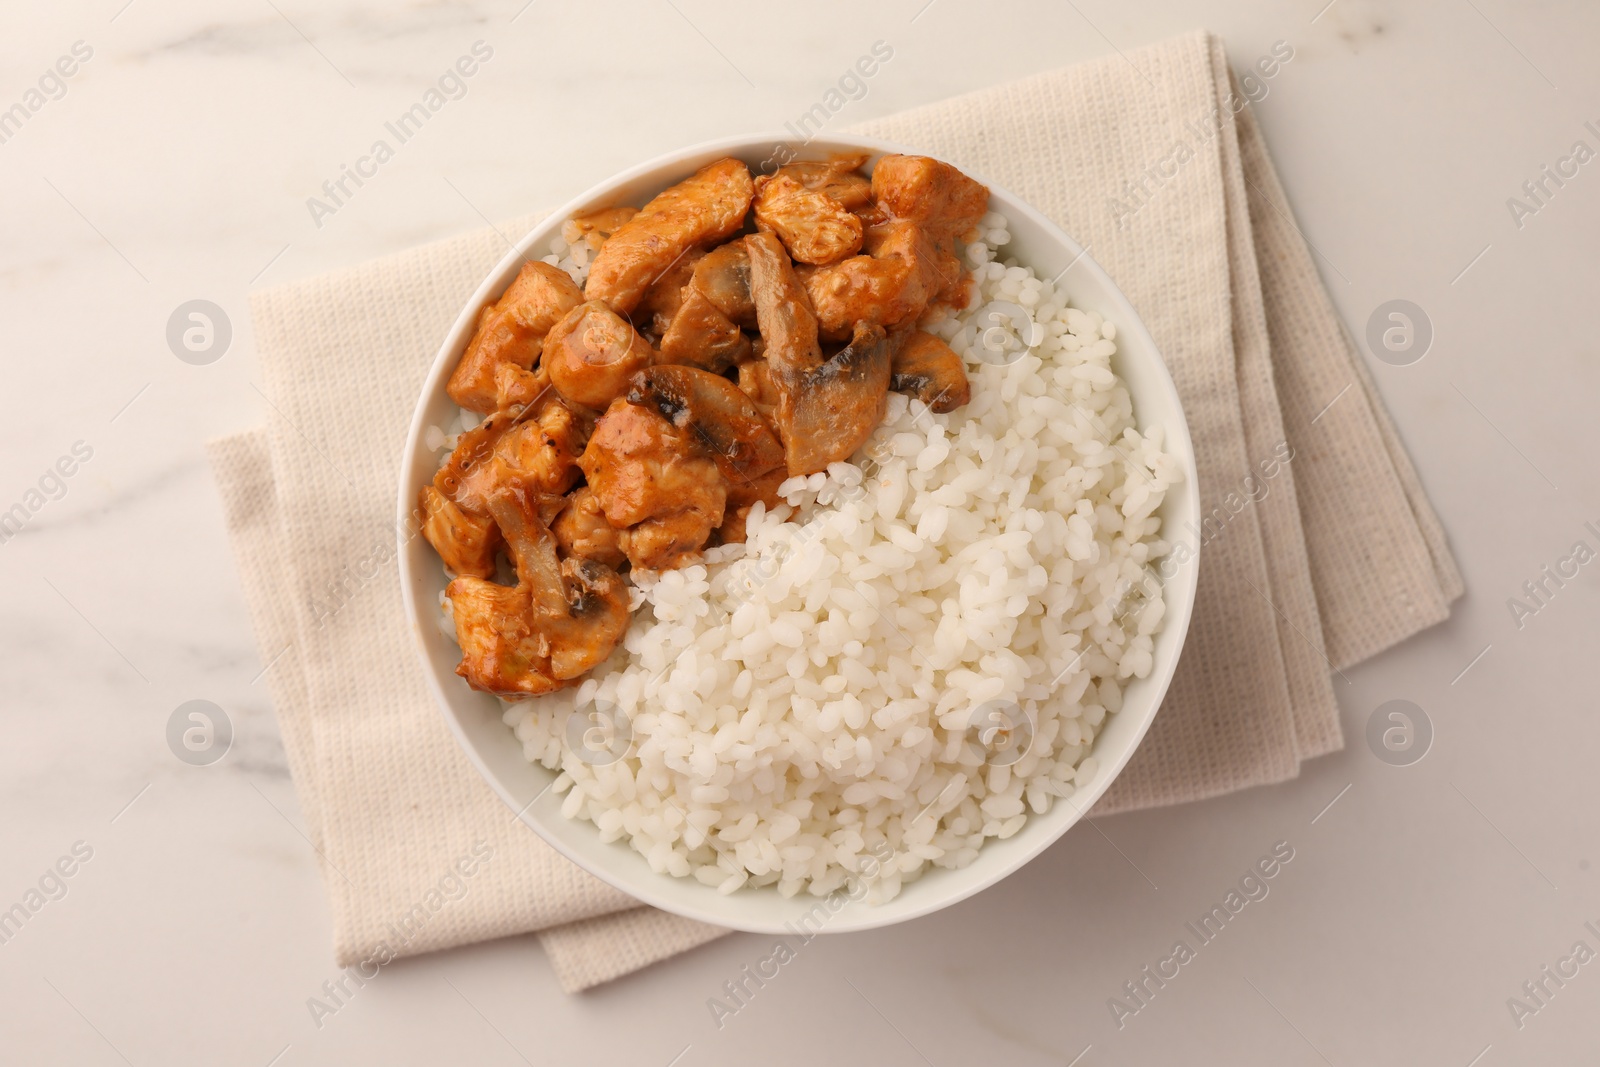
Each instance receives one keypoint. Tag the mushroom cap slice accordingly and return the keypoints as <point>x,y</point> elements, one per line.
<point>827,408</point>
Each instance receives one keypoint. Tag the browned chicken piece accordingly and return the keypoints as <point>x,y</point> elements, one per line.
<point>755,381</point>
<point>501,652</point>
<point>472,452</point>
<point>592,352</point>
<point>708,207</point>
<point>512,330</point>
<point>517,389</point>
<point>826,408</point>
<point>903,273</point>
<point>664,297</point>
<point>925,367</point>
<point>561,619</point>
<point>465,542</point>
<point>700,335</point>
<point>719,418</point>
<point>668,541</point>
<point>742,496</point>
<point>838,178</point>
<point>813,226</point>
<point>735,528</point>
<point>581,529</point>
<point>596,226</point>
<point>636,460</point>
<point>921,206</point>
<point>652,478</point>
<point>724,277</point>
<point>934,195</point>
<point>538,454</point>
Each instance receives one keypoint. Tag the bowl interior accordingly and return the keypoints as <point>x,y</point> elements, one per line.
<point>475,718</point>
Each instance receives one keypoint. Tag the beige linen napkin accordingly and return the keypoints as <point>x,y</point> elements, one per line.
<point>1340,558</point>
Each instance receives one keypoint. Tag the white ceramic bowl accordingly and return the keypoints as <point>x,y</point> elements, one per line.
<point>475,718</point>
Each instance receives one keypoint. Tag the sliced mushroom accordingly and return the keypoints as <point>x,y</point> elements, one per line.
<point>702,336</point>
<point>592,352</point>
<point>704,327</point>
<point>827,408</point>
<point>925,367</point>
<point>718,416</point>
<point>724,277</point>
<point>561,619</point>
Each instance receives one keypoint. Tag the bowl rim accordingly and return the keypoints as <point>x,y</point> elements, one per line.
<point>1178,442</point>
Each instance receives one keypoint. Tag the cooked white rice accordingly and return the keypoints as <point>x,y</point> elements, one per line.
<point>816,706</point>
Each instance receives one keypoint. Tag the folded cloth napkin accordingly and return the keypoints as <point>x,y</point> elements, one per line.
<point>1149,161</point>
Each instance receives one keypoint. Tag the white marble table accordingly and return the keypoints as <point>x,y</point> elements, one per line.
<point>175,164</point>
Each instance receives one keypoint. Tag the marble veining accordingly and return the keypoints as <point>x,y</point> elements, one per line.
<point>177,165</point>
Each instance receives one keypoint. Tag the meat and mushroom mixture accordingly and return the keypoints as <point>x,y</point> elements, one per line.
<point>732,333</point>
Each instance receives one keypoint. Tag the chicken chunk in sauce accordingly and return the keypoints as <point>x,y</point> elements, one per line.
<point>708,417</point>
<point>934,195</point>
<point>654,483</point>
<point>466,542</point>
<point>581,530</point>
<point>472,453</point>
<point>744,495</point>
<point>813,226</point>
<point>903,272</point>
<point>839,178</point>
<point>537,454</point>
<point>517,389</point>
<point>707,208</point>
<point>511,332</point>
